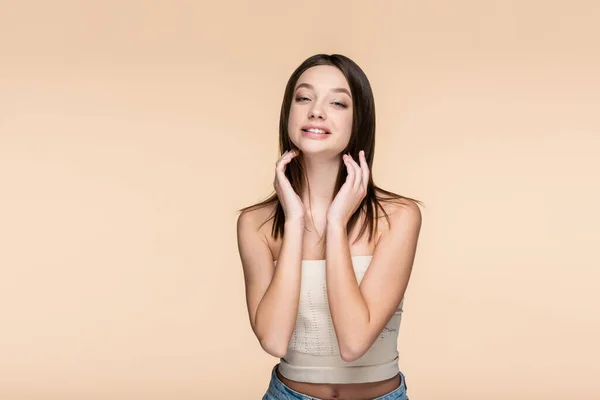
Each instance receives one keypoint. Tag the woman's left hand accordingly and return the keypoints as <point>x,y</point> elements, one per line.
<point>352,192</point>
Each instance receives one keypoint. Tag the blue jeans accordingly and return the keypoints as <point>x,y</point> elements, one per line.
<point>279,391</point>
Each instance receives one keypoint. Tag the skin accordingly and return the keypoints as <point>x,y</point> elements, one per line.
<point>324,106</point>
<point>359,313</point>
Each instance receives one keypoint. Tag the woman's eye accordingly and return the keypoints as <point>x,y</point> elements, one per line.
<point>302,99</point>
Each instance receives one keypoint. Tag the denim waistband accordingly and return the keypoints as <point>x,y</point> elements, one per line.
<point>277,388</point>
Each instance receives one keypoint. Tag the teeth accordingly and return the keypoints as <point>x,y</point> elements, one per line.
<point>314,130</point>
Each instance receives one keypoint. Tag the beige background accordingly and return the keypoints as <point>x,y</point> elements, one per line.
<point>130,132</point>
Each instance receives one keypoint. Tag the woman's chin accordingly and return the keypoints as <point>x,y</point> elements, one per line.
<point>323,152</point>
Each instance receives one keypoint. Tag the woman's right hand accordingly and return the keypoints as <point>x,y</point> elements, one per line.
<point>293,207</point>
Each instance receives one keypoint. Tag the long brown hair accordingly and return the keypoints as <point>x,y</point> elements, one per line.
<point>362,137</point>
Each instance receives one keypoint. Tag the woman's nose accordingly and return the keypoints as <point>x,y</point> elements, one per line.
<point>316,112</point>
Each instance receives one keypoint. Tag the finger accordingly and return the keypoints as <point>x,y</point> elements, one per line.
<point>280,178</point>
<point>365,169</point>
<point>280,158</point>
<point>291,154</point>
<point>350,169</point>
<point>280,164</point>
<point>286,158</point>
<point>288,153</point>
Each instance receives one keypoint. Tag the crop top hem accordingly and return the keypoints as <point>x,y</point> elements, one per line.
<point>339,375</point>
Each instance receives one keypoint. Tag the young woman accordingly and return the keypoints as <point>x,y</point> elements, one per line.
<point>325,273</point>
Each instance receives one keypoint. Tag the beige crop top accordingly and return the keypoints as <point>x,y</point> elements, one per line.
<point>313,354</point>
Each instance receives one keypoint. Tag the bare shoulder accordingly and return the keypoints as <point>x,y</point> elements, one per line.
<point>260,215</point>
<point>255,222</point>
<point>404,211</point>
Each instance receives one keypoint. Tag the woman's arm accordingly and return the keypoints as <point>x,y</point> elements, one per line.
<point>272,294</point>
<point>359,313</point>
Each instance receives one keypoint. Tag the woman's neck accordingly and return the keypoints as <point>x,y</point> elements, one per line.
<point>322,174</point>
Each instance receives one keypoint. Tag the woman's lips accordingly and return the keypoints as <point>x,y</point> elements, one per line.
<point>314,135</point>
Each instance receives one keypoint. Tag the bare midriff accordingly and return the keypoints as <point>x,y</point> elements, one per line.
<point>346,391</point>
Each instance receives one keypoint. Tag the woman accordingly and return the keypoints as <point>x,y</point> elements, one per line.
<point>323,296</point>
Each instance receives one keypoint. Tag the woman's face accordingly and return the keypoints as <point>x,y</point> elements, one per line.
<point>322,100</point>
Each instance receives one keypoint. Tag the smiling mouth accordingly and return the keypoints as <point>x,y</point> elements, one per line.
<point>317,131</point>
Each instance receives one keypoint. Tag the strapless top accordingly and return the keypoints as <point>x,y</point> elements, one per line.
<point>313,353</point>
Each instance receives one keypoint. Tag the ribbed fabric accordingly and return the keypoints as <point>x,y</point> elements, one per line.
<point>313,353</point>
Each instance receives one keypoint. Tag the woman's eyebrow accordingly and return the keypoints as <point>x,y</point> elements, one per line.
<point>337,90</point>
